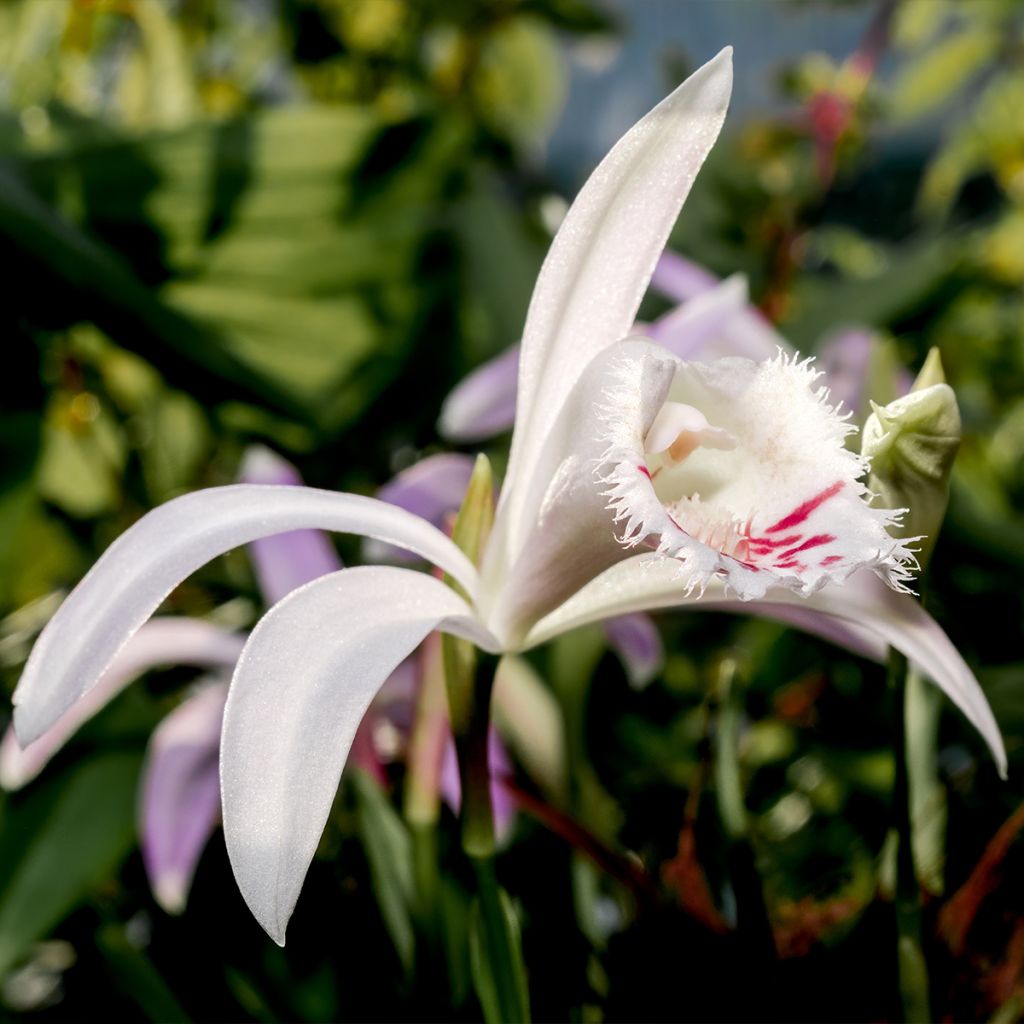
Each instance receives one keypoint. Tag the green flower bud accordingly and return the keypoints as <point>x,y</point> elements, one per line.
<point>912,443</point>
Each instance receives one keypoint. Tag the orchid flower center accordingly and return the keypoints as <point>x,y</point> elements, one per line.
<point>743,474</point>
<point>676,434</point>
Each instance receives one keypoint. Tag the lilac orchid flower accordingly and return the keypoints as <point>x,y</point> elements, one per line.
<point>732,476</point>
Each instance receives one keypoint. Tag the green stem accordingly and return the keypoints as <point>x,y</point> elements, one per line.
<point>913,967</point>
<point>502,942</point>
<point>752,917</point>
<point>470,704</point>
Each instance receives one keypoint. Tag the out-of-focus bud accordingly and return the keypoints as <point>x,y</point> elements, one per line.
<point>912,443</point>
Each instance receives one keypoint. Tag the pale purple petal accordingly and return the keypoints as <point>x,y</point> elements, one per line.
<point>432,489</point>
<point>138,571</point>
<point>180,804</point>
<point>689,330</point>
<point>285,561</point>
<point>846,359</point>
<point>747,332</point>
<point>483,403</point>
<point>680,279</point>
<point>637,642</point>
<point>503,805</point>
<point>303,684</point>
<point>162,641</point>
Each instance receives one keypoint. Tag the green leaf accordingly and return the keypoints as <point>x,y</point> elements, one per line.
<point>941,70</point>
<point>389,852</point>
<point>60,842</point>
<point>482,961</point>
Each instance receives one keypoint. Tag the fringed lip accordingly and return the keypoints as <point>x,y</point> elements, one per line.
<point>786,508</point>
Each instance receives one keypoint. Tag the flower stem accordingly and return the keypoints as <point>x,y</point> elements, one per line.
<point>499,973</point>
<point>752,918</point>
<point>913,967</point>
<point>501,938</point>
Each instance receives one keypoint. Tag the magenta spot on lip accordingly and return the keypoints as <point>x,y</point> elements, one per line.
<point>831,560</point>
<point>801,512</point>
<point>812,542</point>
<point>768,544</point>
<point>646,472</point>
<point>799,566</point>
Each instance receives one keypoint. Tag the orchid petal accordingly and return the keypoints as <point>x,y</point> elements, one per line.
<point>181,794</point>
<point>689,330</point>
<point>637,642</point>
<point>143,565</point>
<point>574,537</point>
<point>163,641</point>
<point>680,279</point>
<point>648,582</point>
<point>483,403</point>
<point>303,683</point>
<point>747,333</point>
<point>285,561</point>
<point>432,489</point>
<point>846,359</point>
<point>599,264</point>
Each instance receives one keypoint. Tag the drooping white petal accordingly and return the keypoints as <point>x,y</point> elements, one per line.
<point>600,262</point>
<point>180,804</point>
<point>141,567</point>
<point>164,641</point>
<point>302,685</point>
<point>865,603</point>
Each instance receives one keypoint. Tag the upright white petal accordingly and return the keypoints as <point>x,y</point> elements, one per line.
<point>303,683</point>
<point>143,566</point>
<point>647,582</point>
<point>164,641</point>
<point>601,260</point>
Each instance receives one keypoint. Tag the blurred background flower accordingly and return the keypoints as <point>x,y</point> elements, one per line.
<point>301,224</point>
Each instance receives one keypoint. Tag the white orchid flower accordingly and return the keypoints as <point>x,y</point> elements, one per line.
<point>732,474</point>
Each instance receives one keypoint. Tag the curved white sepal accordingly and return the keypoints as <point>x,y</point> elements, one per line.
<point>138,571</point>
<point>864,603</point>
<point>166,640</point>
<point>303,683</point>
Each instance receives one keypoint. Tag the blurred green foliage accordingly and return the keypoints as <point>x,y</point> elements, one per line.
<point>301,222</point>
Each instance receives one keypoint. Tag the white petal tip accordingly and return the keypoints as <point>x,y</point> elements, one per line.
<point>171,893</point>
<point>12,777</point>
<point>28,728</point>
